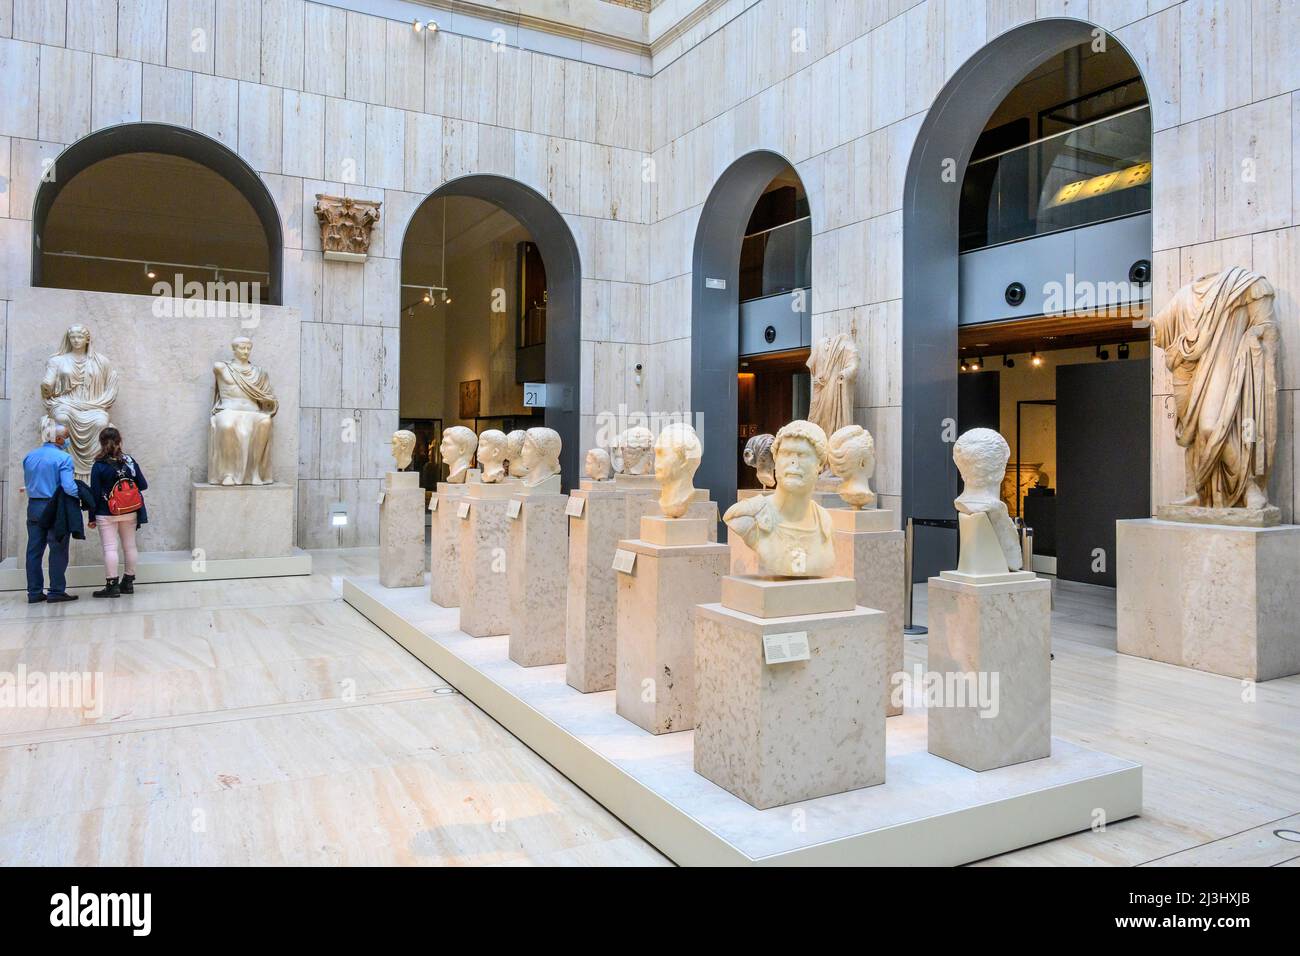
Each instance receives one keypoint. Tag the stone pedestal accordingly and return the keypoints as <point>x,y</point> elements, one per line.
<point>646,505</point>
<point>989,661</point>
<point>655,667</point>
<point>870,552</point>
<point>592,601</point>
<point>401,531</point>
<point>444,545</point>
<point>242,521</point>
<point>538,579</point>
<point>485,559</point>
<point>778,733</point>
<point>1214,597</point>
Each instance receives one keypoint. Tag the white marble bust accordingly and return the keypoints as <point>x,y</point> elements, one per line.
<point>678,451</point>
<point>637,451</point>
<point>515,453</point>
<point>541,455</point>
<point>852,458</point>
<point>597,464</point>
<point>403,447</point>
<point>492,455</point>
<point>981,455</point>
<point>758,455</point>
<point>458,444</point>
<point>788,531</point>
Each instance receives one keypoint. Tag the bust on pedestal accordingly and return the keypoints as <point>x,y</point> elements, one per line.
<point>538,557</point>
<point>401,520</point>
<point>457,449</point>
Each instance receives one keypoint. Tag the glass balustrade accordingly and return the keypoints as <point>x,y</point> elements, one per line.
<point>776,260</point>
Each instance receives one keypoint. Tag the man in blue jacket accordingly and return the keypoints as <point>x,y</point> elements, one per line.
<point>45,471</point>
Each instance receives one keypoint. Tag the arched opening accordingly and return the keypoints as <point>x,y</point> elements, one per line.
<point>750,312</point>
<point>490,292</point>
<point>132,206</point>
<point>1026,270</point>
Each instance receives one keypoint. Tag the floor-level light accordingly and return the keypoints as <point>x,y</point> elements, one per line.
<point>338,515</point>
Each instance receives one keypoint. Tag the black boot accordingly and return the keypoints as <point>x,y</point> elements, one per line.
<point>128,584</point>
<point>111,589</point>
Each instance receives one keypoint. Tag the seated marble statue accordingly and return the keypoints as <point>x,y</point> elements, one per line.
<point>515,454</point>
<point>78,391</point>
<point>541,455</point>
<point>637,451</point>
<point>597,464</point>
<point>981,455</point>
<point>243,408</point>
<point>492,446</point>
<point>788,531</point>
<point>678,451</point>
<point>403,447</point>
<point>852,458</point>
<point>758,455</point>
<point>457,448</point>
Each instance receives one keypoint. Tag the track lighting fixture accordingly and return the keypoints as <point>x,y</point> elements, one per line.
<point>1035,359</point>
<point>1102,353</point>
<point>1008,362</point>
<point>1122,350</point>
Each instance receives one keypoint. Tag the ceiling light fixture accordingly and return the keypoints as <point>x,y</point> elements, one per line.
<point>1122,350</point>
<point>1035,359</point>
<point>149,271</point>
<point>1102,353</point>
<point>1008,362</point>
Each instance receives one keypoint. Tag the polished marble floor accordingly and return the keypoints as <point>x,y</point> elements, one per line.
<point>265,722</point>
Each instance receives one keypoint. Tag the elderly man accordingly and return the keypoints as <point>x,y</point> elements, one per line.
<point>45,471</point>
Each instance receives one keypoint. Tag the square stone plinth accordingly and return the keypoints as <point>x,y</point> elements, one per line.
<point>538,573</point>
<point>401,531</point>
<point>484,565</point>
<point>786,597</point>
<point>647,506</point>
<point>1214,597</point>
<point>874,560</point>
<point>989,692</point>
<point>774,734</point>
<point>444,545</point>
<point>655,666</point>
<point>242,521</point>
<point>592,600</point>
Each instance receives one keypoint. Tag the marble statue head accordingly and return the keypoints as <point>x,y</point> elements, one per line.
<point>597,464</point>
<point>758,455</point>
<point>541,455</point>
<point>678,451</point>
<point>981,455</point>
<point>403,445</point>
<point>637,450</point>
<point>515,453</point>
<point>799,454</point>
<point>458,444</point>
<point>76,339</point>
<point>242,347</point>
<point>492,445</point>
<point>852,457</point>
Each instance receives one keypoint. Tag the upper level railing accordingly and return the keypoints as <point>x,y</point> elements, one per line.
<point>776,260</point>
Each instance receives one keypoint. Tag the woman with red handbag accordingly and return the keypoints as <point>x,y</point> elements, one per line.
<point>116,482</point>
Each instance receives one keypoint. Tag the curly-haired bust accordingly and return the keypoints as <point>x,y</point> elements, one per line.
<point>981,455</point>
<point>852,459</point>
<point>541,455</point>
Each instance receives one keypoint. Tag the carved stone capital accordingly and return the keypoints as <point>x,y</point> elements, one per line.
<point>345,226</point>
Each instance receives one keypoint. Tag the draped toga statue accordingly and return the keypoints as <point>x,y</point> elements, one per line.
<point>239,439</point>
<point>834,366</point>
<point>79,388</point>
<point>1220,339</point>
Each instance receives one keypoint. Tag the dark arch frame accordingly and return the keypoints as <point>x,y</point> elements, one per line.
<point>715,329</point>
<point>171,141</point>
<point>931,203</point>
<point>559,252</point>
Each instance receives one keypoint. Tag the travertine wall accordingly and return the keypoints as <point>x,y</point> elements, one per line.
<point>308,93</point>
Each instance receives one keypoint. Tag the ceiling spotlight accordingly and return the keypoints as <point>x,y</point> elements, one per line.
<point>428,297</point>
<point>1008,362</point>
<point>1102,353</point>
<point>445,297</point>
<point>431,26</point>
<point>149,271</point>
<point>1123,350</point>
<point>977,363</point>
<point>1035,359</point>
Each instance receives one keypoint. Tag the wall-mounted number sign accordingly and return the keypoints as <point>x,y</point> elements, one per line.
<point>535,394</point>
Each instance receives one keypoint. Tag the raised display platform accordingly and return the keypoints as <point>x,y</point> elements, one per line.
<point>928,812</point>
<point>163,567</point>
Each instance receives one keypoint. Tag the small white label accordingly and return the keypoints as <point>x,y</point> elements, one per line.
<point>512,508</point>
<point>574,508</point>
<point>433,502</point>
<point>534,394</point>
<point>624,561</point>
<point>787,647</point>
<point>715,283</point>
<point>380,500</point>
<point>462,510</point>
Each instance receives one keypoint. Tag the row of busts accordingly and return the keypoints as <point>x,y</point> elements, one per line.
<point>530,456</point>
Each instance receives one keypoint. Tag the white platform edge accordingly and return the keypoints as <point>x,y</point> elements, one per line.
<point>164,567</point>
<point>949,839</point>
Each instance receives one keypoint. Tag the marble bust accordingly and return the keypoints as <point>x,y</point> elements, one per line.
<point>833,364</point>
<point>1220,340</point>
<point>788,531</point>
<point>981,455</point>
<point>243,409</point>
<point>541,455</point>
<point>515,453</point>
<point>852,457</point>
<point>678,451</point>
<point>403,447</point>
<point>78,391</point>
<point>457,448</point>
<point>597,464</point>
<point>758,455</point>
<point>492,445</point>
<point>637,451</point>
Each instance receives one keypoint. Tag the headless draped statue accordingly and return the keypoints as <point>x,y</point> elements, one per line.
<point>243,406</point>
<point>834,367</point>
<point>79,388</point>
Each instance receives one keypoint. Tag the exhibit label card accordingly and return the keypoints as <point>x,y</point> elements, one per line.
<point>512,509</point>
<point>462,510</point>
<point>380,500</point>
<point>624,561</point>
<point>574,508</point>
<point>433,502</point>
<point>786,648</point>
